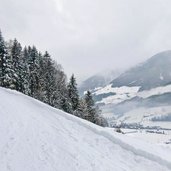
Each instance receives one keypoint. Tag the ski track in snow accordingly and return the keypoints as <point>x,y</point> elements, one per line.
<point>36,137</point>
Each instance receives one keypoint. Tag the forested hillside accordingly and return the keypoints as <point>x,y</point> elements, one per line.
<point>36,74</point>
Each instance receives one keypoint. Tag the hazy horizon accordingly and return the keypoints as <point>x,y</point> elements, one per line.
<point>87,37</point>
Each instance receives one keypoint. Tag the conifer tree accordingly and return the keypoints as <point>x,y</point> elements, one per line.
<point>90,107</point>
<point>25,72</point>
<point>48,78</point>
<point>6,68</point>
<point>73,93</point>
<point>60,94</point>
<point>3,54</point>
<point>33,64</point>
<point>16,55</point>
<point>9,74</point>
<point>65,106</point>
<point>81,109</point>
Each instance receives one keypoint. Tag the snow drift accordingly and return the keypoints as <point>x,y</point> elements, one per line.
<point>37,137</point>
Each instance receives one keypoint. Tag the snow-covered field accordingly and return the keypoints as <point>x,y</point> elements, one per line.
<point>155,91</point>
<point>144,116</point>
<point>161,137</point>
<point>121,94</point>
<point>126,93</point>
<point>37,137</point>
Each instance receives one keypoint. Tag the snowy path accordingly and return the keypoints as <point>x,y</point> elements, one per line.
<point>36,137</point>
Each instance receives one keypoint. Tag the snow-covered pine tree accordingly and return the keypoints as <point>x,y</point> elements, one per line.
<point>92,112</point>
<point>101,121</point>
<point>9,77</point>
<point>6,68</point>
<point>33,64</point>
<point>25,71</point>
<point>60,93</point>
<point>48,81</point>
<point>3,54</point>
<point>81,109</point>
<point>73,93</point>
<point>65,105</point>
<point>16,55</point>
<point>41,79</point>
<point>90,107</point>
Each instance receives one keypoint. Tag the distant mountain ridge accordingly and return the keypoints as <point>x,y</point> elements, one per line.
<point>98,81</point>
<point>155,72</point>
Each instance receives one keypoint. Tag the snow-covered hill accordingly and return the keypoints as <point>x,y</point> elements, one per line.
<point>37,137</point>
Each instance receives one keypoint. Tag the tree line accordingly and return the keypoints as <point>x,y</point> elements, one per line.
<point>35,74</point>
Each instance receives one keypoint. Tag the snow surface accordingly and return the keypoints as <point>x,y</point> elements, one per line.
<point>37,137</point>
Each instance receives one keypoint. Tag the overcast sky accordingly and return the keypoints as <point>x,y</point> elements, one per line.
<point>88,36</point>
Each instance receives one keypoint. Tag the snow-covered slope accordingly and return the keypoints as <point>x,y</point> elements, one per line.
<point>37,137</point>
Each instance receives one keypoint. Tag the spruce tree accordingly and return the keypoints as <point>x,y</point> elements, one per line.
<point>6,68</point>
<point>65,106</point>
<point>48,78</point>
<point>33,65</point>
<point>3,54</point>
<point>9,73</point>
<point>90,107</point>
<point>81,109</point>
<point>73,93</point>
<point>60,94</point>
<point>25,71</point>
<point>16,55</point>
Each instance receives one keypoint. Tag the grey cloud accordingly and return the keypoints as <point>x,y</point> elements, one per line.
<point>87,36</point>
